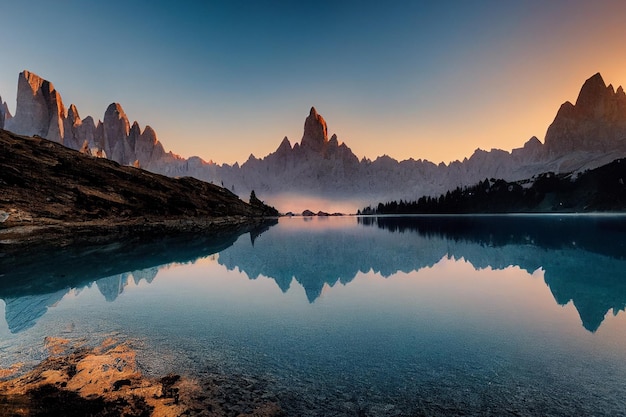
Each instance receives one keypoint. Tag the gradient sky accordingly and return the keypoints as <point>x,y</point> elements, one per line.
<point>410,79</point>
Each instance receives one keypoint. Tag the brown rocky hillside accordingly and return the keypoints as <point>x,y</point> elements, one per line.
<point>46,186</point>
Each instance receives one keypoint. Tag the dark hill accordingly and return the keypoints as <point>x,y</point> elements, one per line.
<point>45,186</point>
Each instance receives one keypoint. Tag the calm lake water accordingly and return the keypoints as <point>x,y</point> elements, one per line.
<point>475,315</point>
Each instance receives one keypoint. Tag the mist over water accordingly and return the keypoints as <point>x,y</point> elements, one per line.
<point>297,203</point>
<point>439,315</point>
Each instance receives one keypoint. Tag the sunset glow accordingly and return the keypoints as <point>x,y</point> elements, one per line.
<point>410,80</point>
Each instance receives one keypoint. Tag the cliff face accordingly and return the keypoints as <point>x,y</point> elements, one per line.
<point>315,132</point>
<point>40,112</point>
<point>40,109</point>
<point>596,123</point>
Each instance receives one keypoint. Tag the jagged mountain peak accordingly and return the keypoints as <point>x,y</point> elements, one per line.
<point>149,131</point>
<point>596,100</point>
<point>597,122</point>
<point>35,82</point>
<point>72,114</point>
<point>116,131</point>
<point>39,109</point>
<point>595,79</point>
<point>593,91</point>
<point>534,141</point>
<point>5,114</point>
<point>315,132</point>
<point>284,146</point>
<point>115,110</point>
<point>567,109</point>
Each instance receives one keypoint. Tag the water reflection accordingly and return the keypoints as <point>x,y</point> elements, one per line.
<point>36,278</point>
<point>583,258</point>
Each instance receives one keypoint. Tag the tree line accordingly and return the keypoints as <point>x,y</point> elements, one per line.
<point>600,189</point>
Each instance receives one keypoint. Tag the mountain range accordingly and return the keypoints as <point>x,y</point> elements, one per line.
<point>586,134</point>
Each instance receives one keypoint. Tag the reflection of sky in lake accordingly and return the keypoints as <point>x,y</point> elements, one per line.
<point>453,330</point>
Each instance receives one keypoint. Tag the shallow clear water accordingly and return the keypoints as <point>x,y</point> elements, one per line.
<point>483,315</point>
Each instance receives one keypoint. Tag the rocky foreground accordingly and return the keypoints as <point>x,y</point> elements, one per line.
<point>48,190</point>
<point>107,381</point>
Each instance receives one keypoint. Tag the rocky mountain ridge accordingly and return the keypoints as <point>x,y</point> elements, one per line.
<point>587,135</point>
<point>40,112</point>
<point>584,135</point>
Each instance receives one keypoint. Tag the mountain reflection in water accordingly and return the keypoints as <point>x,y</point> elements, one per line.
<point>583,258</point>
<point>35,278</point>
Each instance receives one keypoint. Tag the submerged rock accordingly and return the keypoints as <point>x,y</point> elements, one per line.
<point>107,381</point>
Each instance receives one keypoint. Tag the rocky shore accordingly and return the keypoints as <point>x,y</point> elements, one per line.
<point>63,233</point>
<point>107,381</point>
<point>53,193</point>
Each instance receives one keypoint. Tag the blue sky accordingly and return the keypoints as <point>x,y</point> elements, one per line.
<point>221,80</point>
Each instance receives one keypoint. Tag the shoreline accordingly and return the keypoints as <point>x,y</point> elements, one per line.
<point>63,233</point>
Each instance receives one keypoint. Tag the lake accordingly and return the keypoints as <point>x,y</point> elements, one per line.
<point>429,315</point>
